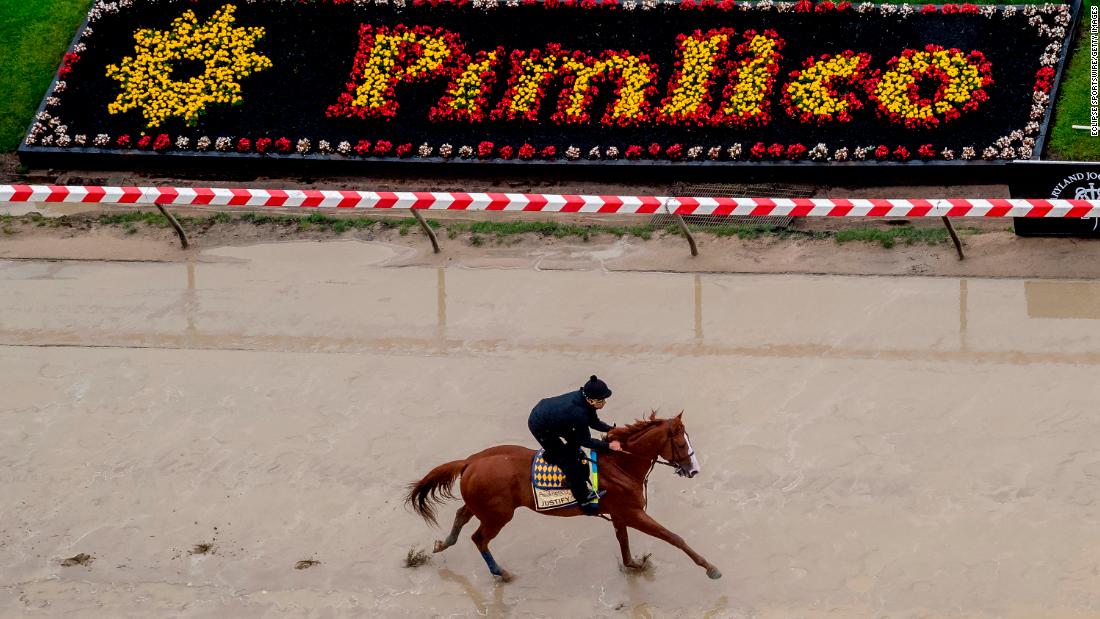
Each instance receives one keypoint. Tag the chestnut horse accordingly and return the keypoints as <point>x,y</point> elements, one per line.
<point>498,480</point>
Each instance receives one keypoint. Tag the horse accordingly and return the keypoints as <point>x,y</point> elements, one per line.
<point>497,481</point>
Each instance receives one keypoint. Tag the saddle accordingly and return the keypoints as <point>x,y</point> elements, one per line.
<point>549,486</point>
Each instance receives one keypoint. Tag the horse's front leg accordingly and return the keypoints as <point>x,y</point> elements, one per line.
<point>646,524</point>
<point>624,545</point>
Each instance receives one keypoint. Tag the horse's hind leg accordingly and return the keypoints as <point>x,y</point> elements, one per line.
<point>462,516</point>
<point>489,528</point>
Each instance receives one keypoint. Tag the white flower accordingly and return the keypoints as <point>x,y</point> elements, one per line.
<point>60,87</point>
<point>43,116</point>
<point>649,4</point>
<point>572,153</point>
<point>47,140</point>
<point>819,152</point>
<point>101,139</point>
<point>714,152</point>
<point>612,152</point>
<point>695,152</point>
<point>906,10</point>
<point>80,48</point>
<point>182,142</point>
<point>1018,135</point>
<point>630,5</point>
<point>424,150</point>
<point>887,9</point>
<point>80,139</point>
<point>1025,152</point>
<point>303,146</point>
<point>1062,19</point>
<point>594,153</point>
<point>987,10</point>
<point>1003,142</point>
<point>841,154</point>
<point>203,143</point>
<point>1030,10</point>
<point>1035,21</point>
<point>343,147</point>
<point>466,152</point>
<point>223,144</point>
<point>1036,112</point>
<point>64,140</point>
<point>734,150</point>
<point>324,147</point>
<point>865,7</point>
<point>1029,142</point>
<point>61,128</point>
<point>445,150</point>
<point>948,154</point>
<point>990,152</point>
<point>30,140</point>
<point>1048,60</point>
<point>1008,153</point>
<point>1040,97</point>
<point>1008,11</point>
<point>860,153</point>
<point>968,152</point>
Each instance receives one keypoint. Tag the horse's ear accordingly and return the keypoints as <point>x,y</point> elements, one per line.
<point>680,415</point>
<point>652,415</point>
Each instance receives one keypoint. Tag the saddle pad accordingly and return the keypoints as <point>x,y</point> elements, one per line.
<point>549,486</point>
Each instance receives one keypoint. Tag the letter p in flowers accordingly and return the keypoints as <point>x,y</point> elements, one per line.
<point>390,56</point>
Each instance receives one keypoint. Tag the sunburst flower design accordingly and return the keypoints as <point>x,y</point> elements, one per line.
<point>218,53</point>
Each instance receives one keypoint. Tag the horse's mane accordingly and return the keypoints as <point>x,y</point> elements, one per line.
<point>636,427</point>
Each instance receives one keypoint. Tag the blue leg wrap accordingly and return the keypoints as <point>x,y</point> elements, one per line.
<point>494,569</point>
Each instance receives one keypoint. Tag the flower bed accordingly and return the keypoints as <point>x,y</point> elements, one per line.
<point>557,80</point>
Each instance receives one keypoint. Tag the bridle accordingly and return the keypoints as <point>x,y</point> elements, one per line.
<point>658,460</point>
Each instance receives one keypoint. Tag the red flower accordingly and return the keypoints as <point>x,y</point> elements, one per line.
<point>548,152</point>
<point>382,147</point>
<point>67,62</point>
<point>758,150</point>
<point>145,141</point>
<point>901,153</point>
<point>926,151</point>
<point>244,145</point>
<point>282,145</point>
<point>796,152</point>
<point>775,151</point>
<point>633,152</point>
<point>654,150</point>
<point>123,140</point>
<point>404,150</point>
<point>1044,79</point>
<point>928,8</point>
<point>506,152</point>
<point>263,145</point>
<point>362,148</point>
<point>882,152</point>
<point>163,142</point>
<point>803,6</point>
<point>824,6</point>
<point>969,8</point>
<point>526,152</point>
<point>675,152</point>
<point>485,149</point>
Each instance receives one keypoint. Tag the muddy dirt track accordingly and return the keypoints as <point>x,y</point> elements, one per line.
<point>870,446</point>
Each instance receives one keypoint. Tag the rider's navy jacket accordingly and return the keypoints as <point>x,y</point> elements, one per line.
<point>568,416</point>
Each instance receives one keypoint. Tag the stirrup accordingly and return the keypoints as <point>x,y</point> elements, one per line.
<point>592,496</point>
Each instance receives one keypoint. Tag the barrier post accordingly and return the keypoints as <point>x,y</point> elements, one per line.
<point>954,237</point>
<point>172,220</point>
<point>427,229</point>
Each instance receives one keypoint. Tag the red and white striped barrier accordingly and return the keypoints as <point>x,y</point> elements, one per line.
<point>551,203</point>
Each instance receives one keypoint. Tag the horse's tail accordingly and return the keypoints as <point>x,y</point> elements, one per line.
<point>430,491</point>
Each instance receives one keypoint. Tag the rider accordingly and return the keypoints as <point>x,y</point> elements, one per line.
<point>560,424</point>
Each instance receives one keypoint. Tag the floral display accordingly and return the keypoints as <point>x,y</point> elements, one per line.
<point>147,79</point>
<point>825,88</point>
<point>688,82</point>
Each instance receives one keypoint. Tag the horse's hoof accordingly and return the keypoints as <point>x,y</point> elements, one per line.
<point>714,573</point>
<point>439,546</point>
<point>505,576</point>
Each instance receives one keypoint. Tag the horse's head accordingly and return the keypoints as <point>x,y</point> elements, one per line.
<point>679,451</point>
<point>661,438</point>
